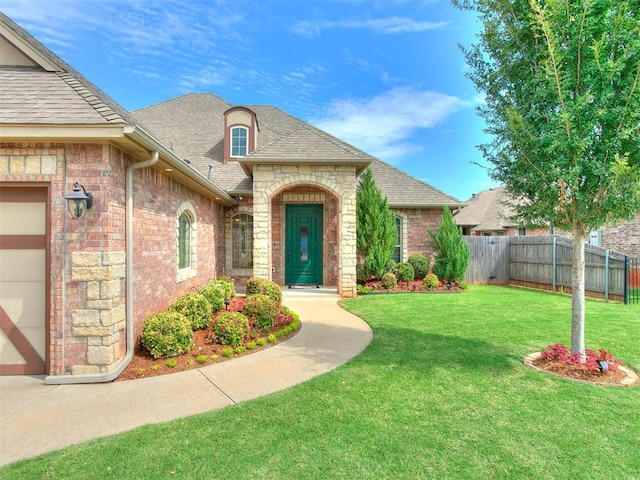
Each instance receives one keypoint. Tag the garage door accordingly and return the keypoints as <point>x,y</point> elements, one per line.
<point>23,280</point>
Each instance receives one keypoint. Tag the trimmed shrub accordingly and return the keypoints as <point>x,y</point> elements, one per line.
<point>404,271</point>
<point>231,328</point>
<point>214,292</point>
<point>195,307</point>
<point>167,334</point>
<point>431,281</point>
<point>389,281</point>
<point>265,287</point>
<point>263,309</point>
<point>420,265</point>
<point>228,287</point>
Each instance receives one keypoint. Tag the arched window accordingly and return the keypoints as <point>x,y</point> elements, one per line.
<point>397,251</point>
<point>242,241</point>
<point>239,141</point>
<point>184,241</point>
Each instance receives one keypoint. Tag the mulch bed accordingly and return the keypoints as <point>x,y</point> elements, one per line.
<point>620,377</point>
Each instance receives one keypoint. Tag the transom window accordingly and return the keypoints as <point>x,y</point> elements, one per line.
<point>242,241</point>
<point>239,141</point>
<point>184,241</point>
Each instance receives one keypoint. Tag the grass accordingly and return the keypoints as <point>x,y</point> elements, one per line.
<point>441,392</point>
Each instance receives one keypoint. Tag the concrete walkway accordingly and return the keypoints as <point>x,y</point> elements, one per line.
<point>37,418</point>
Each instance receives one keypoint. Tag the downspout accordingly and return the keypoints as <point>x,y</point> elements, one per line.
<point>122,364</point>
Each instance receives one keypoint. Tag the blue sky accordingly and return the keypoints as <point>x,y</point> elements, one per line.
<point>386,76</point>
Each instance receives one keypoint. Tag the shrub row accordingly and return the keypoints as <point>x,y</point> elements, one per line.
<point>170,333</point>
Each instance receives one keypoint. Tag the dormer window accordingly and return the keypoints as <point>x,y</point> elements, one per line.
<point>240,133</point>
<point>239,141</point>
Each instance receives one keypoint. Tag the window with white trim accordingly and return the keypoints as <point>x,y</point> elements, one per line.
<point>397,251</point>
<point>184,241</point>
<point>239,141</point>
<point>242,241</point>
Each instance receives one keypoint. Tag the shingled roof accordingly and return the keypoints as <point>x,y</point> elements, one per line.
<point>194,125</point>
<point>488,210</point>
<point>43,89</point>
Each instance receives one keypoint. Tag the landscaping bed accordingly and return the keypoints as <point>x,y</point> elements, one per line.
<point>206,350</point>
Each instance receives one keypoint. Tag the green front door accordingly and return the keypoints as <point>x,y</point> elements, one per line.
<point>303,245</point>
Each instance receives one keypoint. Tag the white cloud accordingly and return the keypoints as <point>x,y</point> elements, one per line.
<point>384,125</point>
<point>387,26</point>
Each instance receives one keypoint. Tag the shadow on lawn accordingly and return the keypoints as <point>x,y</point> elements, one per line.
<point>414,349</point>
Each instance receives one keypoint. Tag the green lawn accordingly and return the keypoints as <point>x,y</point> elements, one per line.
<point>441,392</point>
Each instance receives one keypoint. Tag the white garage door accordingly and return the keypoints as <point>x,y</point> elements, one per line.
<point>23,260</point>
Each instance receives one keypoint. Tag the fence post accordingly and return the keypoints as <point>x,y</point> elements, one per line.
<point>553,263</point>
<point>626,279</point>
<point>606,275</point>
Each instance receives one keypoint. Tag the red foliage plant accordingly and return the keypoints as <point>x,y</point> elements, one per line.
<point>560,353</point>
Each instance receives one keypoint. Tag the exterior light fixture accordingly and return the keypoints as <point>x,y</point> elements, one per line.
<point>602,365</point>
<point>78,201</point>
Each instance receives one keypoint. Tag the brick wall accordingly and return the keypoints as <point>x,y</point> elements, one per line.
<point>87,301</point>
<point>623,237</point>
<point>418,221</point>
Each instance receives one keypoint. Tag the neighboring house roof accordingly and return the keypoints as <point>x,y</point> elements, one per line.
<point>194,125</point>
<point>486,211</point>
<point>43,98</point>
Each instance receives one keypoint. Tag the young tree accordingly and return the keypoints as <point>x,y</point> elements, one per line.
<point>452,252</point>
<point>561,81</point>
<point>376,234</point>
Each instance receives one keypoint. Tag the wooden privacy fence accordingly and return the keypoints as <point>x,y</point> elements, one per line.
<point>544,262</point>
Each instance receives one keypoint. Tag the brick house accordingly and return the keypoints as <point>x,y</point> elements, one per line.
<point>488,214</point>
<point>183,191</point>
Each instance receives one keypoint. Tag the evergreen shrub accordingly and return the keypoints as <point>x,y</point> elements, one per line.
<point>420,265</point>
<point>195,307</point>
<point>231,328</point>
<point>167,334</point>
<point>263,309</point>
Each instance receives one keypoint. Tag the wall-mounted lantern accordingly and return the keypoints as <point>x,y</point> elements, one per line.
<point>78,201</point>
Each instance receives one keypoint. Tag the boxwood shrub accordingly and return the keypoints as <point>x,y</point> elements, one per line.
<point>231,328</point>
<point>195,307</point>
<point>167,334</point>
<point>420,265</point>
<point>265,287</point>
<point>389,280</point>
<point>214,291</point>
<point>263,309</point>
<point>404,271</point>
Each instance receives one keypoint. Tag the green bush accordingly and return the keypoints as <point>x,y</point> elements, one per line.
<point>167,334</point>
<point>389,281</point>
<point>452,252</point>
<point>228,287</point>
<point>214,292</point>
<point>231,328</point>
<point>265,287</point>
<point>261,342</point>
<point>431,281</point>
<point>240,349</point>
<point>404,271</point>
<point>195,307</point>
<point>263,309</point>
<point>202,359</point>
<point>172,362</point>
<point>363,289</point>
<point>271,338</point>
<point>420,265</point>
<point>226,352</point>
<point>250,345</point>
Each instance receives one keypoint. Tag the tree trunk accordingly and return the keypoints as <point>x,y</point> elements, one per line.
<point>577,293</point>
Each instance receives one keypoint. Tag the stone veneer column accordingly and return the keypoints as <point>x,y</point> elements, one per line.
<point>263,179</point>
<point>103,320</point>
<point>269,179</point>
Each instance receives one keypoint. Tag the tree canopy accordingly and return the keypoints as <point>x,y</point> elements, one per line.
<point>561,81</point>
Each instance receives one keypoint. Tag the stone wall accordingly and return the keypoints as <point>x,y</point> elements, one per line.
<point>339,181</point>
